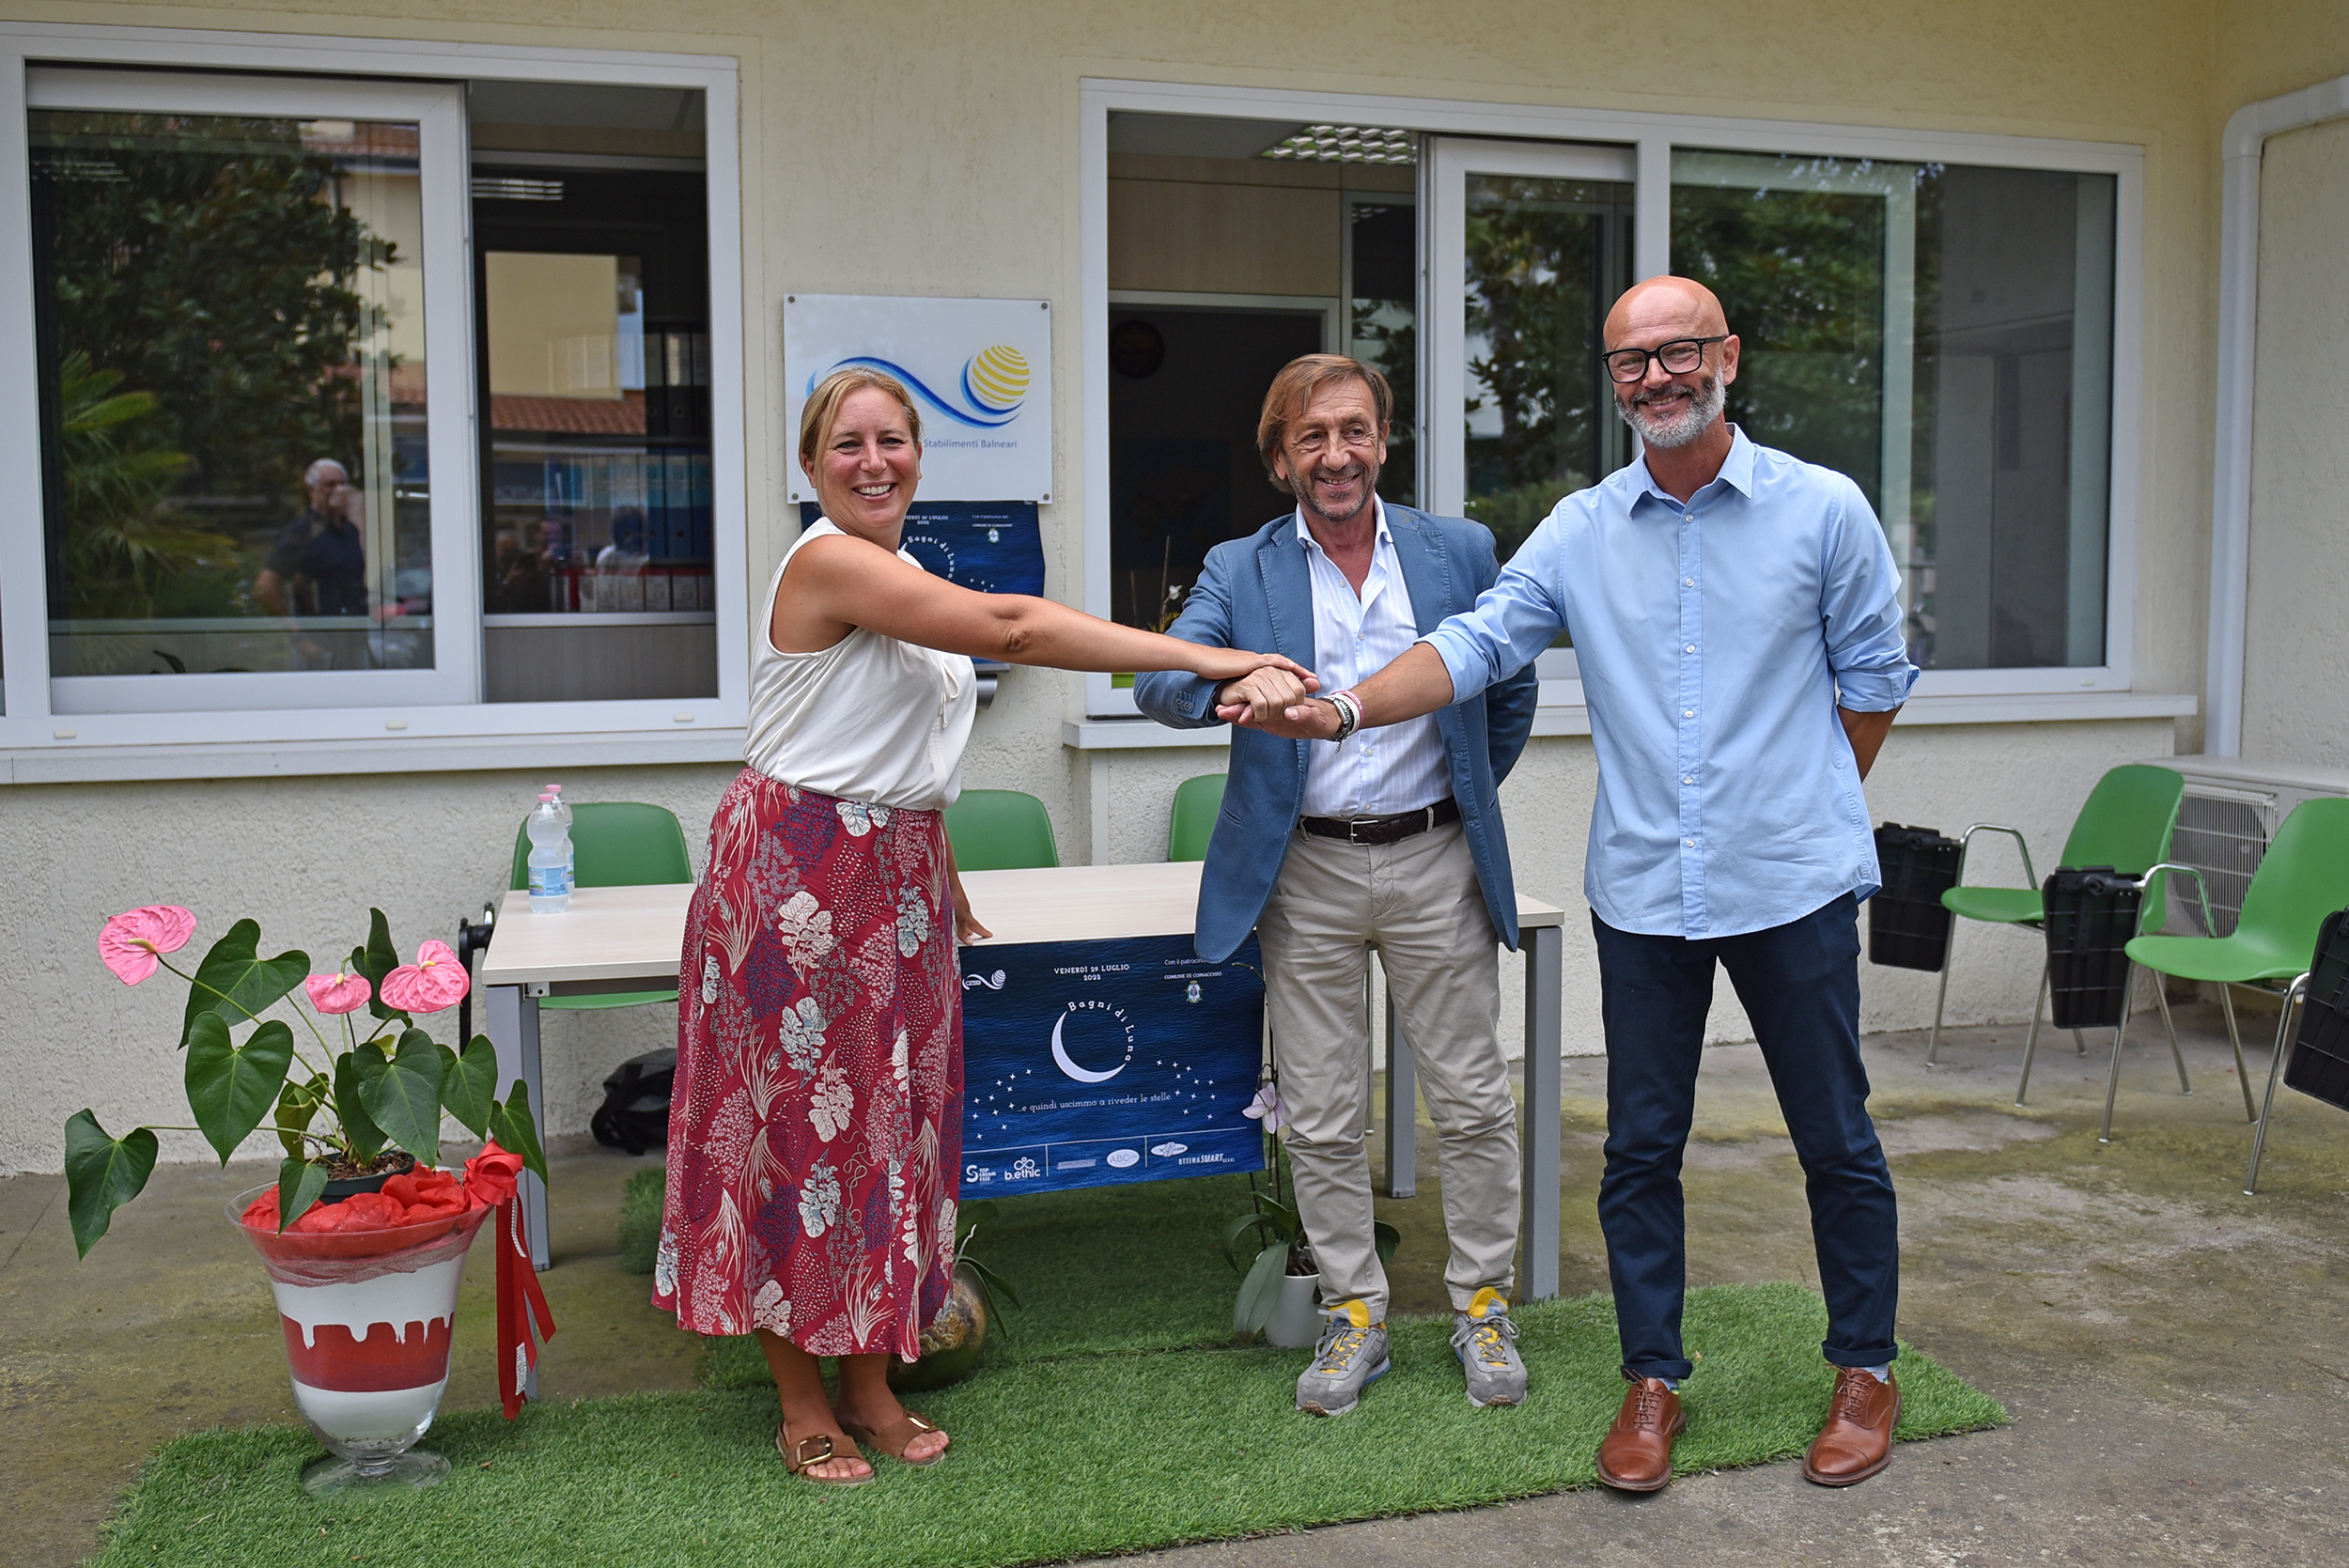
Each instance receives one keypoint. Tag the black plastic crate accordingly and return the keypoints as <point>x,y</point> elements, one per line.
<point>1907,927</point>
<point>2090,915</point>
<point>2319,1062</point>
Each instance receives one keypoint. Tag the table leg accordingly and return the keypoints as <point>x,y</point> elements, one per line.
<point>1402,1109</point>
<point>1545,1106</point>
<point>513,1020</point>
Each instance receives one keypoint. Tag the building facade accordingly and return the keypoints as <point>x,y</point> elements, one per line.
<point>520,275</point>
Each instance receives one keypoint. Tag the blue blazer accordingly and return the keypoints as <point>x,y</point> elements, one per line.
<point>1258,593</point>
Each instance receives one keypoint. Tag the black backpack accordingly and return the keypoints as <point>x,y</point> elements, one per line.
<point>635,1111</point>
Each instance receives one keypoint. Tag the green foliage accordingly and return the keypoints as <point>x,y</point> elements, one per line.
<point>297,1107</point>
<point>1800,276</point>
<point>213,270</point>
<point>119,473</point>
<point>378,958</point>
<point>469,1084</point>
<point>1543,258</point>
<point>989,1284</point>
<point>236,983</point>
<point>512,1126</point>
<point>299,1184</point>
<point>364,1140</point>
<point>403,1096</point>
<point>231,1087</point>
<point>101,1175</point>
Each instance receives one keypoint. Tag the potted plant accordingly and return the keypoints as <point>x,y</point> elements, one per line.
<point>952,1343</point>
<point>363,1238</point>
<point>1279,1290</point>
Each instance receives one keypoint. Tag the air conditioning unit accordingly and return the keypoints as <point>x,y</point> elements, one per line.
<point>2232,810</point>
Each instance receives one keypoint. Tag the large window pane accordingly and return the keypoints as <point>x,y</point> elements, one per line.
<point>231,336</point>
<point>1545,259</point>
<point>1943,334</point>
<point>591,224</point>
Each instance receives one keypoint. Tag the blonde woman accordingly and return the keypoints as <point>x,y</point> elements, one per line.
<point>816,1126</point>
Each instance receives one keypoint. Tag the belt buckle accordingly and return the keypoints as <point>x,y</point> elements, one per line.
<point>1353,830</point>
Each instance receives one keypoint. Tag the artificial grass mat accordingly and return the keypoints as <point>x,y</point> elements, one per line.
<point>1109,1422</point>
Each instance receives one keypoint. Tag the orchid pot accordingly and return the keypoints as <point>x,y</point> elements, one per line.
<point>954,1340</point>
<point>1280,1286</point>
<point>1295,1322</point>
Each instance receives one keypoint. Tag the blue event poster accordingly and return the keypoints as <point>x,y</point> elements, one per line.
<point>1095,1062</point>
<point>994,546</point>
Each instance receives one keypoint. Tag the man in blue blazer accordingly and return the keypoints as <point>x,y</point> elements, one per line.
<point>1392,841</point>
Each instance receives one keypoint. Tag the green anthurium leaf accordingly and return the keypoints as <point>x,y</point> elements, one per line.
<point>1386,1238</point>
<point>351,1070</point>
<point>404,1098</point>
<point>238,984</point>
<point>297,1104</point>
<point>299,1184</point>
<point>511,1124</point>
<point>376,961</point>
<point>1260,1293</point>
<point>231,1087</point>
<point>469,1085</point>
<point>101,1175</point>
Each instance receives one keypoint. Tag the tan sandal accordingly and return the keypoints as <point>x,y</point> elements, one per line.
<point>798,1460</point>
<point>892,1438</point>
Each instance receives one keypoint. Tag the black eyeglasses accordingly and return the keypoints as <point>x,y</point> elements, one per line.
<point>1680,356</point>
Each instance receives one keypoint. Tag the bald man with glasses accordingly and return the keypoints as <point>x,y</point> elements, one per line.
<point>1735,613</point>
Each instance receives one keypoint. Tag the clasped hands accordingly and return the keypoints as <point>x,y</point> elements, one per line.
<point>1278,699</point>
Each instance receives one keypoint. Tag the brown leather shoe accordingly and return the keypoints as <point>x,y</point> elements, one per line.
<point>1637,1455</point>
<point>1857,1441</point>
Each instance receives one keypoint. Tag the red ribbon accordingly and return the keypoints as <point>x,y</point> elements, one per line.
<point>493,1175</point>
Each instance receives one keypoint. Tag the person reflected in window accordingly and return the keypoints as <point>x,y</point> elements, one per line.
<point>518,576</point>
<point>318,565</point>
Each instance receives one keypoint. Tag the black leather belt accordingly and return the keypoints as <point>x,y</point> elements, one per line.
<point>1382,830</point>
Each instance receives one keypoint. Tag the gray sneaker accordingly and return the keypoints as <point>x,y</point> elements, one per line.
<point>1487,1343</point>
<point>1351,1356</point>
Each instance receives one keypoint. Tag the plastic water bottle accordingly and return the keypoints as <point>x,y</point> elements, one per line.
<point>550,856</point>
<point>570,850</point>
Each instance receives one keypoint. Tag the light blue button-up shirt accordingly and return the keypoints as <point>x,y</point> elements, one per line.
<point>1716,641</point>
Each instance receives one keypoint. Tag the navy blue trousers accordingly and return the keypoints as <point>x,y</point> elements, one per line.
<point>1800,983</point>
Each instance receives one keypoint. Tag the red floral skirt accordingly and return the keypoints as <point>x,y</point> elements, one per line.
<point>816,1122</point>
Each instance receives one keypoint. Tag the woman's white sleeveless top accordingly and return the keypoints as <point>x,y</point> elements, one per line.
<point>868,719</point>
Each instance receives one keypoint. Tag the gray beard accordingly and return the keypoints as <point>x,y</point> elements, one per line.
<point>1706,407</point>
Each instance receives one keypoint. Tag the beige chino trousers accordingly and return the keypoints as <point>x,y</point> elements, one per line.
<point>1419,903</point>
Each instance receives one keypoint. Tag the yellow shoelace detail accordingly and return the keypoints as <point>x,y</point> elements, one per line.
<point>1342,1350</point>
<point>1487,1343</point>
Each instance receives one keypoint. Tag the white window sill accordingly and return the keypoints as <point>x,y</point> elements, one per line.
<point>1112,735</point>
<point>423,753</point>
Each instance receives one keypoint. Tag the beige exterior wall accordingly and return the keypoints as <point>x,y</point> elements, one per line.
<point>2295,675</point>
<point>929,149</point>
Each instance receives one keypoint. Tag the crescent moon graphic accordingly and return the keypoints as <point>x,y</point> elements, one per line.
<point>1060,1054</point>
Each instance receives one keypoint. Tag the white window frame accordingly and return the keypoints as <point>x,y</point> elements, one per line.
<point>1651,138</point>
<point>423,730</point>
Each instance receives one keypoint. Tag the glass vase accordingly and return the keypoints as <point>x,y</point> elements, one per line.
<point>368,1316</point>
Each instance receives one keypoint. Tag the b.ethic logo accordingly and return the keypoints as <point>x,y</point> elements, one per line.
<point>993,385</point>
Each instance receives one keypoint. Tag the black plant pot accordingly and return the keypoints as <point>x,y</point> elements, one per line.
<point>340,1188</point>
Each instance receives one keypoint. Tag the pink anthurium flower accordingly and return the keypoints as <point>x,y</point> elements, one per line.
<point>131,941</point>
<point>339,992</point>
<point>434,981</point>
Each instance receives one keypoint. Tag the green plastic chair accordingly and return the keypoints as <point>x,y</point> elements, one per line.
<point>2125,823</point>
<point>616,843</point>
<point>1000,830</point>
<point>1197,803</point>
<point>2303,878</point>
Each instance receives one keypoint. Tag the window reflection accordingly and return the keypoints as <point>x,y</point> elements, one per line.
<point>231,326</point>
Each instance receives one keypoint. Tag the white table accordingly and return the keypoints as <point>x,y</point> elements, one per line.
<point>629,939</point>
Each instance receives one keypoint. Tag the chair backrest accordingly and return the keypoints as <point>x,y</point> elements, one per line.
<point>1000,830</point>
<point>1197,801</point>
<point>2125,824</point>
<point>2303,878</point>
<point>617,844</point>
